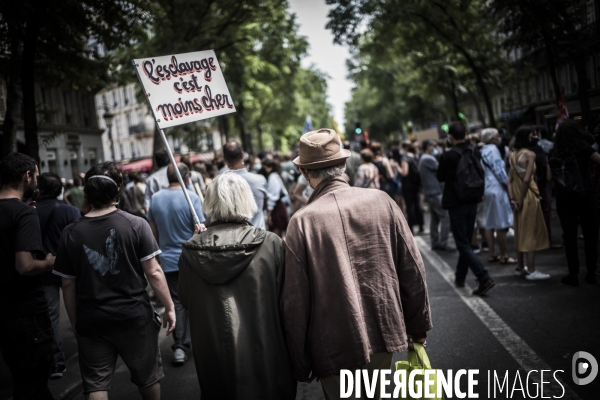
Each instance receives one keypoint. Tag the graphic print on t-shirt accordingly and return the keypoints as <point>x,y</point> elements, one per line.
<point>108,263</point>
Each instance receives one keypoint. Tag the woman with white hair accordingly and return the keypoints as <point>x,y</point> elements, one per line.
<point>230,280</point>
<point>498,213</point>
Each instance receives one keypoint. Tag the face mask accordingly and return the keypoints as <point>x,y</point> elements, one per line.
<point>257,167</point>
<point>436,152</point>
<point>534,141</point>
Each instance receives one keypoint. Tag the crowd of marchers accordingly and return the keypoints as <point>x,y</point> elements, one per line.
<point>485,188</point>
<point>302,265</point>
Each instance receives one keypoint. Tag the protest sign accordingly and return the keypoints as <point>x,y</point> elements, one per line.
<point>184,88</point>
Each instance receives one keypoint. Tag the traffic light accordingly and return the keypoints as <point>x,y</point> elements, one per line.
<point>358,129</point>
<point>461,115</point>
<point>445,127</point>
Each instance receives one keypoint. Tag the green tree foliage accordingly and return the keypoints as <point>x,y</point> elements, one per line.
<point>558,32</point>
<point>47,40</point>
<point>260,53</point>
<point>431,47</point>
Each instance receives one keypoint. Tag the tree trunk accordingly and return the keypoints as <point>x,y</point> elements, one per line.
<point>32,145</point>
<point>582,91</point>
<point>261,147</point>
<point>477,107</point>
<point>454,99</point>
<point>224,128</point>
<point>239,118</point>
<point>13,108</point>
<point>157,145</point>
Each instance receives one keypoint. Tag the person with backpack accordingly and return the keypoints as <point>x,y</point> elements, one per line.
<point>529,224</point>
<point>576,201</point>
<point>461,171</point>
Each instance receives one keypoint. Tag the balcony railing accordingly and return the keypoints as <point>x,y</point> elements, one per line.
<point>139,128</point>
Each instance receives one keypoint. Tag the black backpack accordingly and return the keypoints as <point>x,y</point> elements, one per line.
<point>566,175</point>
<point>470,181</point>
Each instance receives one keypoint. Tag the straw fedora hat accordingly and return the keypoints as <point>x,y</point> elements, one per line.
<point>320,149</point>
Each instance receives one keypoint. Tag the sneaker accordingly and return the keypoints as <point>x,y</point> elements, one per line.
<point>57,371</point>
<point>484,287</point>
<point>537,276</point>
<point>179,356</point>
<point>521,272</point>
<point>571,280</point>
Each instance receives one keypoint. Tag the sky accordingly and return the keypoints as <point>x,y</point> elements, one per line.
<point>311,16</point>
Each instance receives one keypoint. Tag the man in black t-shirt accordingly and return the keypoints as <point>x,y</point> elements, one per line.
<point>54,216</point>
<point>104,259</point>
<point>25,330</point>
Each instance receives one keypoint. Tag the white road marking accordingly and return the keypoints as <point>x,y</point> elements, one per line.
<point>516,347</point>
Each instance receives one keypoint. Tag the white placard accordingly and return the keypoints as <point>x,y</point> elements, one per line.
<point>183,88</point>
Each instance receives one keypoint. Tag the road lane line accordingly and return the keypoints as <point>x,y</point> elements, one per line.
<point>516,347</point>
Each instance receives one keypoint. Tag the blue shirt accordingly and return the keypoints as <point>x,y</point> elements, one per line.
<point>170,212</point>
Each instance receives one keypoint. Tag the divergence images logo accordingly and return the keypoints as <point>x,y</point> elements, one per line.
<point>584,367</point>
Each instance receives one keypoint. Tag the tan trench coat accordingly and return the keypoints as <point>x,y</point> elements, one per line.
<point>355,281</point>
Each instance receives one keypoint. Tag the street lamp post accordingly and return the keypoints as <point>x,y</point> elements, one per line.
<point>108,118</point>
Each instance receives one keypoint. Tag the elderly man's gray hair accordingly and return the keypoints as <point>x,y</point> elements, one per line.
<point>229,198</point>
<point>328,172</point>
<point>488,134</point>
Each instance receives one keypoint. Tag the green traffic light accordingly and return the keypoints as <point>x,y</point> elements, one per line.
<point>461,115</point>
<point>445,127</point>
<point>358,131</point>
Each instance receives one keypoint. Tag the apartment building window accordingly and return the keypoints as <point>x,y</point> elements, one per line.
<point>116,99</point>
<point>85,107</point>
<point>129,120</point>
<point>590,11</point>
<point>126,95</point>
<point>573,79</point>
<point>92,157</point>
<point>67,107</point>
<point>117,122</point>
<point>51,158</point>
<point>140,116</point>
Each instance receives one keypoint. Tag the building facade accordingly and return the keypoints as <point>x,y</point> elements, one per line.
<point>531,98</point>
<point>131,132</point>
<point>69,137</point>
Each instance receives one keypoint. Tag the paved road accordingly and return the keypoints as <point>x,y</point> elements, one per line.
<point>517,327</point>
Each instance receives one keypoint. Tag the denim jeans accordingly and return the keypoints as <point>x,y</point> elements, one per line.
<point>439,225</point>
<point>181,335</point>
<point>462,224</point>
<point>52,291</point>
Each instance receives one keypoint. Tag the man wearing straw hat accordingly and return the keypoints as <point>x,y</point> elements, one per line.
<point>355,282</point>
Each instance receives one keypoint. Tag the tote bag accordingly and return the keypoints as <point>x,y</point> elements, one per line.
<point>419,362</point>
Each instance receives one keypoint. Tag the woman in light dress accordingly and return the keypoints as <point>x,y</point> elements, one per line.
<point>498,214</point>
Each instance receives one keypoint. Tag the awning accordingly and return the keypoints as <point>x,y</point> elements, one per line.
<point>140,165</point>
<point>145,164</point>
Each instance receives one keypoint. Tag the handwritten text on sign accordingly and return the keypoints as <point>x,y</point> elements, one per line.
<point>183,88</point>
